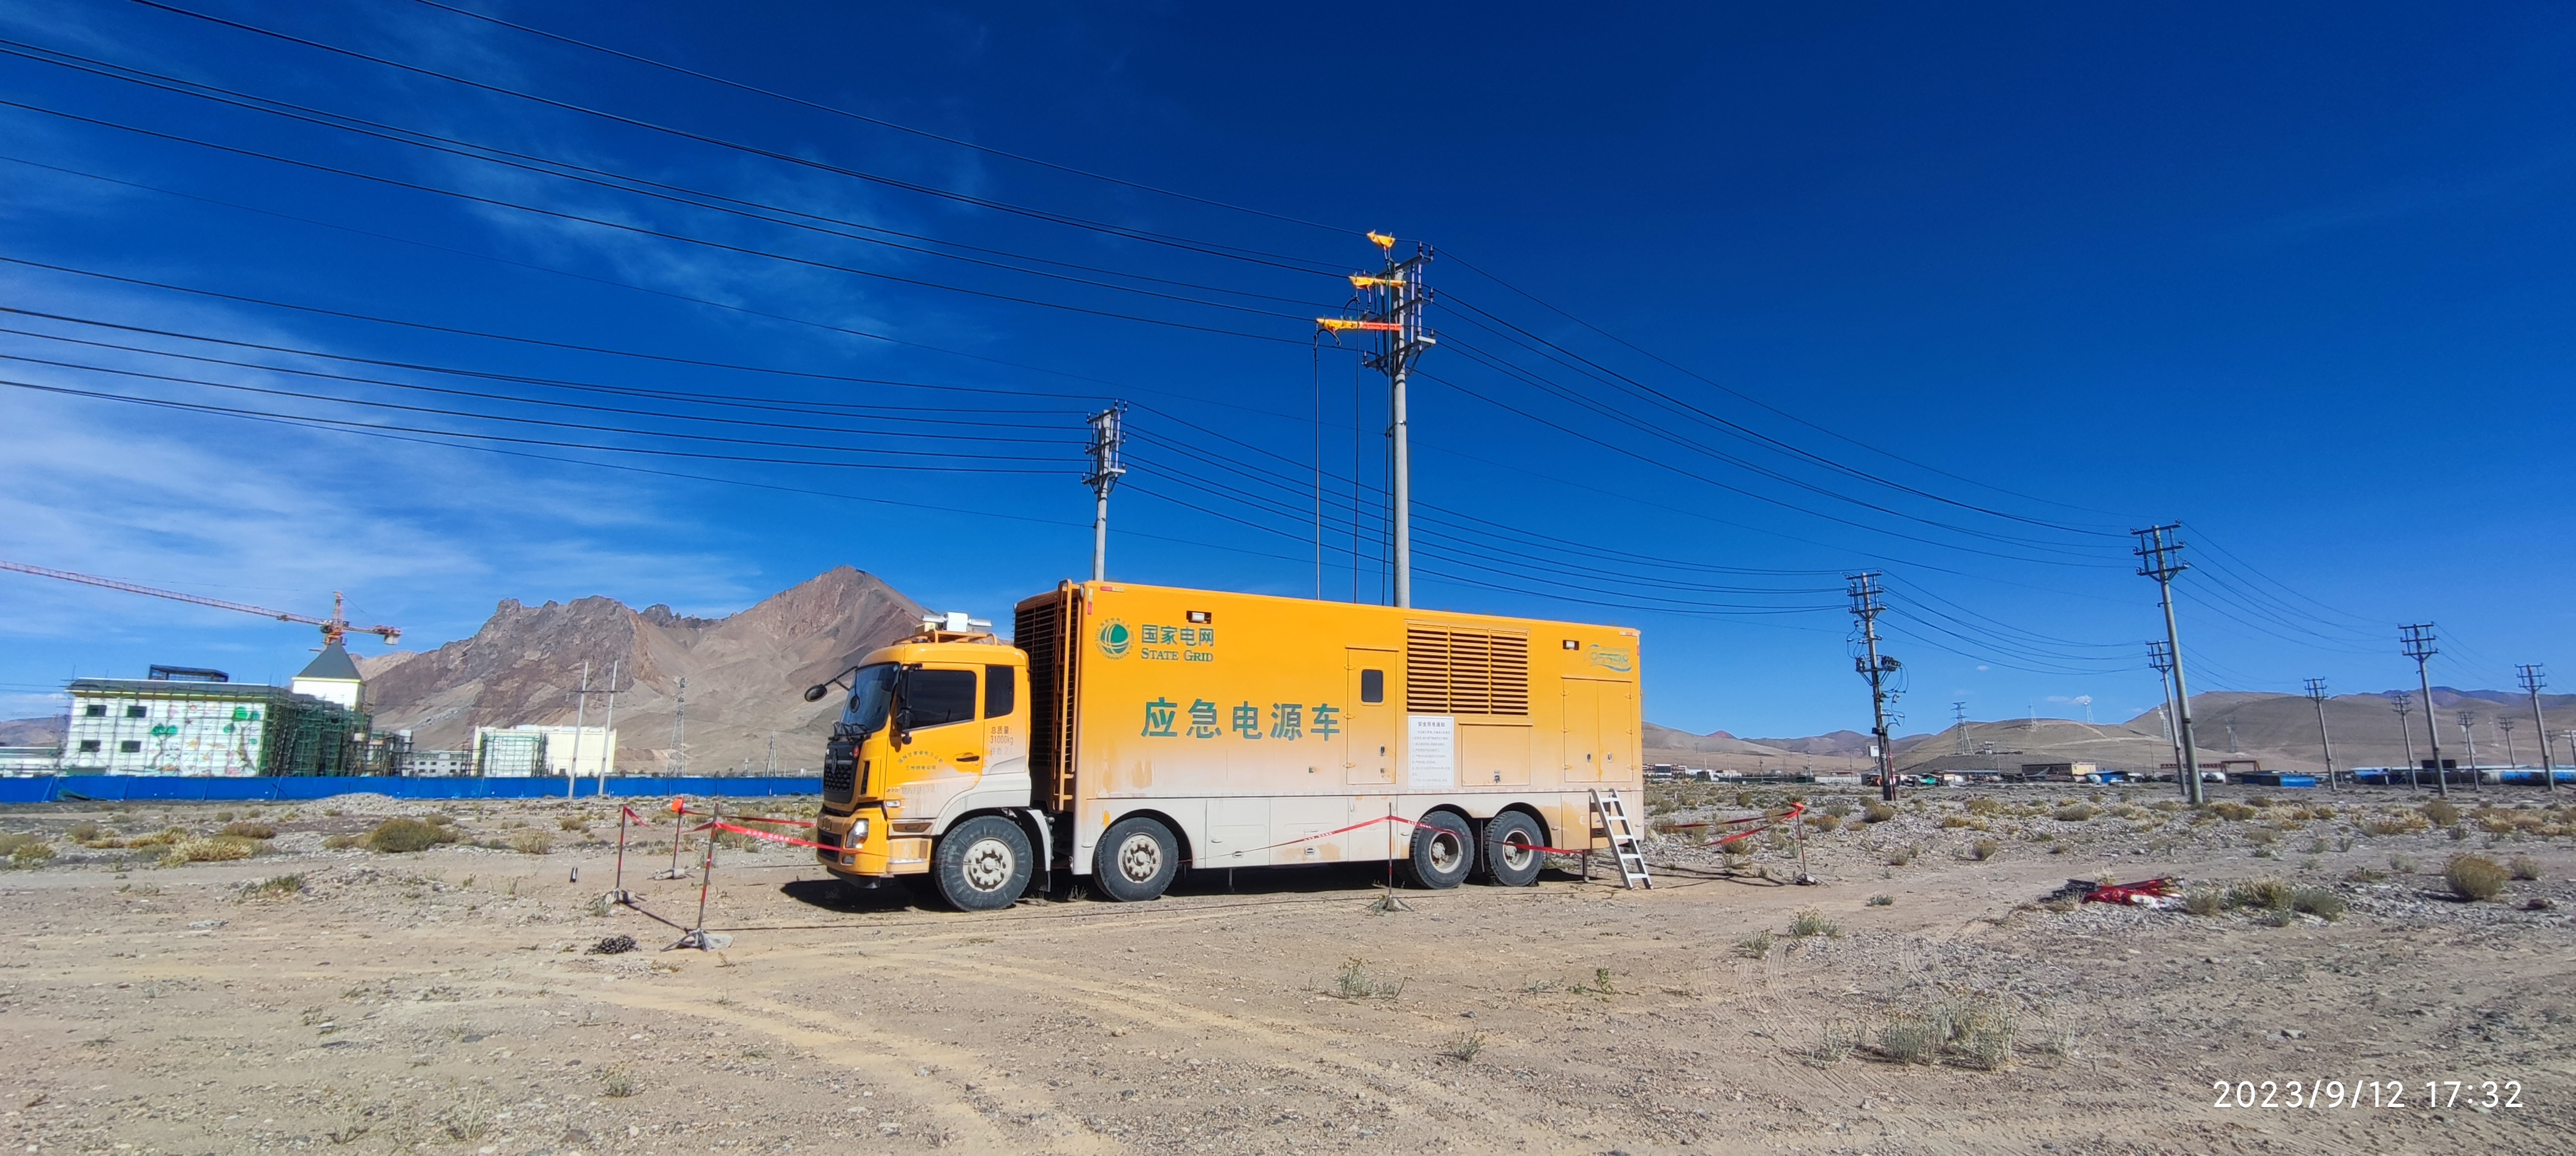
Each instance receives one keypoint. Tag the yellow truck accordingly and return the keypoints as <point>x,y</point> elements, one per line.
<point>1128,732</point>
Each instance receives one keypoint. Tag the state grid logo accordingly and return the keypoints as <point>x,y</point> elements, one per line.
<point>1114,637</point>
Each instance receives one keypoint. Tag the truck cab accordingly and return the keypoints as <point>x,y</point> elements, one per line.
<point>926,777</point>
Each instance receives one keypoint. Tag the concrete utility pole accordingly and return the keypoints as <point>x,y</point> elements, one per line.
<point>1871,665</point>
<point>2418,642</point>
<point>2160,656</point>
<point>2317,695</point>
<point>2159,550</point>
<point>608,758</point>
<point>2469,739</point>
<point>1107,466</point>
<point>1390,305</point>
<point>581,703</point>
<point>2532,680</point>
<point>2405,706</point>
<point>2504,726</point>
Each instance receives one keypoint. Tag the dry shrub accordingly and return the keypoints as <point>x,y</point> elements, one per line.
<point>531,842</point>
<point>572,823</point>
<point>1877,813</point>
<point>1825,822</point>
<point>1955,821</point>
<point>2261,894</point>
<point>2475,877</point>
<point>24,849</point>
<point>399,836</point>
<point>1984,849</point>
<point>2400,823</point>
<point>2204,901</point>
<point>2441,814</point>
<point>2525,868</point>
<point>216,850</point>
<point>2075,813</point>
<point>1812,922</point>
<point>248,831</point>
<point>2319,902</point>
<point>1908,1038</point>
<point>2236,811</point>
<point>1985,807</point>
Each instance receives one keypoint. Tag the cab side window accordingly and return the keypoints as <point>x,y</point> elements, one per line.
<point>1001,691</point>
<point>939,697</point>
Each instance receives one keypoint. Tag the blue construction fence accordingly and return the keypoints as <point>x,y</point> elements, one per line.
<point>124,788</point>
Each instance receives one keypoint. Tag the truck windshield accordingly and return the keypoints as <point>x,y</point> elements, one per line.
<point>871,694</point>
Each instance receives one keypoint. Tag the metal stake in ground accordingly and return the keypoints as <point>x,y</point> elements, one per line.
<point>679,814</point>
<point>617,892</point>
<point>697,935</point>
<point>1388,902</point>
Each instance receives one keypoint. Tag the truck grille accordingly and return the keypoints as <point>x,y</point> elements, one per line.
<point>840,771</point>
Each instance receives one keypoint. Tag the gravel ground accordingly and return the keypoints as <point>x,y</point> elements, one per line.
<point>313,998</point>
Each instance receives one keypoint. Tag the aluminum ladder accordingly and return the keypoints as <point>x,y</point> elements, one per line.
<point>1612,814</point>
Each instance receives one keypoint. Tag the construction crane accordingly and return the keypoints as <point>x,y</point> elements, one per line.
<point>333,628</point>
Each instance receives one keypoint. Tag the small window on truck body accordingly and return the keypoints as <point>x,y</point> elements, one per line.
<point>1372,686</point>
<point>939,697</point>
<point>1001,691</point>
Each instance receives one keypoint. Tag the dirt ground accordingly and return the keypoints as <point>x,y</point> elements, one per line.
<point>313,998</point>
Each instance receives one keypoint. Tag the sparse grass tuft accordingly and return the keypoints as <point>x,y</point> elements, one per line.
<point>2236,811</point>
<point>1811,922</point>
<point>1754,946</point>
<point>1835,1040</point>
<point>1984,849</point>
<point>2404,864</point>
<point>572,823</point>
<point>2204,901</point>
<point>2525,868</point>
<point>618,1083</point>
<point>1464,1046</point>
<point>1877,813</point>
<point>530,841</point>
<point>1901,856</point>
<point>2475,877</point>
<point>217,850</point>
<point>1908,1038</point>
<point>1355,982</point>
<point>2259,894</point>
<point>2441,814</point>
<point>2319,902</point>
<point>25,849</point>
<point>248,831</point>
<point>2076,813</point>
<point>276,887</point>
<point>1882,901</point>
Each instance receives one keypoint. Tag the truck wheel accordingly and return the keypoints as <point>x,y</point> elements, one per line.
<point>1443,851</point>
<point>982,864</point>
<point>1511,853</point>
<point>1136,860</point>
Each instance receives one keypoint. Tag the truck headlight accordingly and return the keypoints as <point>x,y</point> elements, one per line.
<point>858,832</point>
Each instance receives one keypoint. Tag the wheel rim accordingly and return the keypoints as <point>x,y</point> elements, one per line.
<point>1448,851</point>
<point>989,865</point>
<point>1140,858</point>
<point>1516,850</point>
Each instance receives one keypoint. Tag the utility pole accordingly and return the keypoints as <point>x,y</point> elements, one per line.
<point>581,703</point>
<point>679,760</point>
<point>2317,695</point>
<point>608,757</point>
<point>1107,466</point>
<point>2159,550</point>
<point>2533,678</point>
<point>2504,726</point>
<point>1959,719</point>
<point>1390,305</point>
<point>2405,706</point>
<point>2418,642</point>
<point>773,753</point>
<point>2469,738</point>
<point>1865,608</point>
<point>2160,656</point>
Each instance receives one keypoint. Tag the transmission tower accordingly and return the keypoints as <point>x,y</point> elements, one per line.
<point>2418,643</point>
<point>1959,721</point>
<point>680,729</point>
<point>2317,695</point>
<point>2159,557</point>
<point>1390,305</point>
<point>1866,608</point>
<point>1107,449</point>
<point>2533,678</point>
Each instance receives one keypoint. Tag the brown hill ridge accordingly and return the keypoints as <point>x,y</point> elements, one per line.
<point>746,671</point>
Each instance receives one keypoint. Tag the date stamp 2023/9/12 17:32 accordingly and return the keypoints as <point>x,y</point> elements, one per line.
<point>2327,1095</point>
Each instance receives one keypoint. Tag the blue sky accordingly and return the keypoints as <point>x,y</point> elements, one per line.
<point>1732,300</point>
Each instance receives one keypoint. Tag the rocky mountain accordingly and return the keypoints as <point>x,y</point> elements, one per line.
<point>747,673</point>
<point>34,732</point>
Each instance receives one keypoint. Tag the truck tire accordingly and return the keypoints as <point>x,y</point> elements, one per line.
<point>1510,856</point>
<point>1444,852</point>
<point>982,864</point>
<point>1137,859</point>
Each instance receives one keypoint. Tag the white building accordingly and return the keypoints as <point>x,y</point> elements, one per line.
<point>529,750</point>
<point>24,761</point>
<point>437,764</point>
<point>189,727</point>
<point>333,677</point>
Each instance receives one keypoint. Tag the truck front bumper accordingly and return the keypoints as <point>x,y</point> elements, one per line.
<point>857,846</point>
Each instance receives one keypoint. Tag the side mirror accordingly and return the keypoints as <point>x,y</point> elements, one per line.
<point>816,692</point>
<point>903,726</point>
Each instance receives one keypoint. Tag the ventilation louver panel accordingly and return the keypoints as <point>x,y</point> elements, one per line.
<point>1465,672</point>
